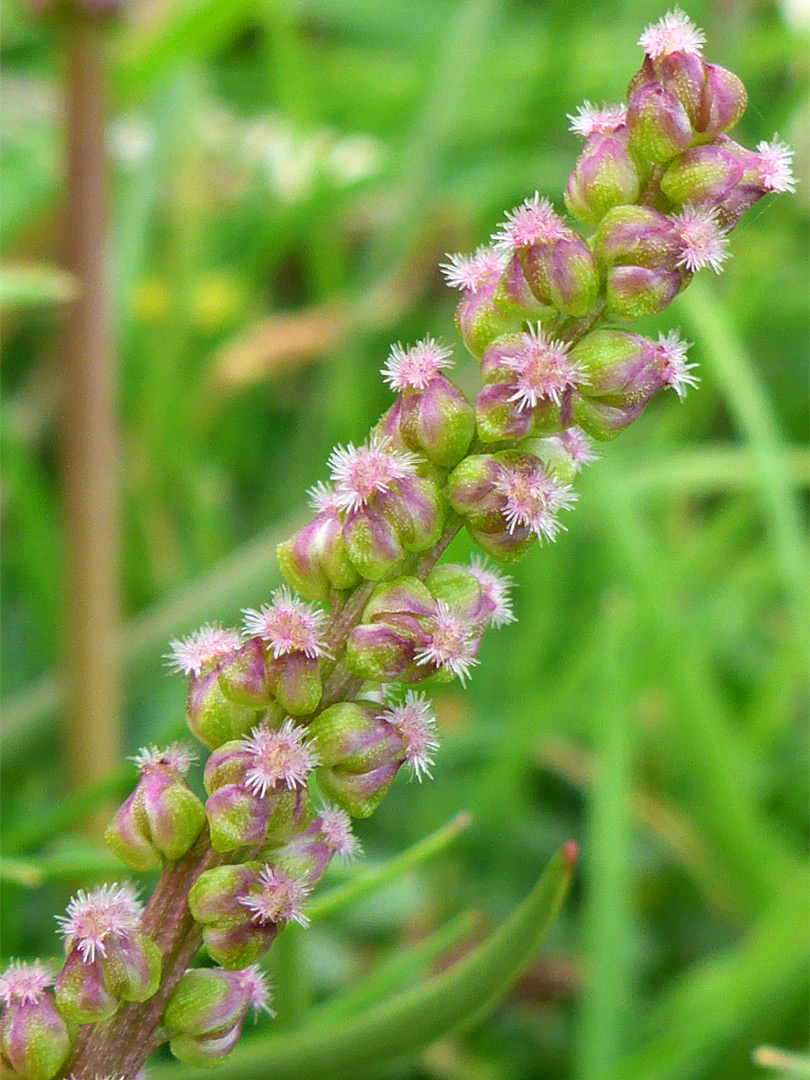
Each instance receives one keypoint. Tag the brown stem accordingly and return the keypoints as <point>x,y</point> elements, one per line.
<point>88,441</point>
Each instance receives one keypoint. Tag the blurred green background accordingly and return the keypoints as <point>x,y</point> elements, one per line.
<point>286,175</point>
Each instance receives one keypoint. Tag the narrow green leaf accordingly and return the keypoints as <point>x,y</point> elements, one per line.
<point>377,877</point>
<point>405,1024</point>
<point>402,969</point>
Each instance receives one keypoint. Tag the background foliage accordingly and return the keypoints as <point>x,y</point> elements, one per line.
<point>286,176</point>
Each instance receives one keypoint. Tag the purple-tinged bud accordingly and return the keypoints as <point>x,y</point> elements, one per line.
<point>766,170</point>
<point>314,560</point>
<point>701,176</point>
<point>82,993</point>
<point>640,250</point>
<point>382,648</point>
<point>625,371</point>
<point>205,1050</point>
<point>306,856</point>
<point>108,959</point>
<point>496,298</point>
<point>606,173</point>
<point>361,754</point>
<point>526,378</point>
<point>508,499</point>
<point>243,676</point>
<point>162,818</point>
<point>33,1036</point>
<point>213,717</point>
<point>658,124</point>
<point>291,632</point>
<point>231,936</point>
<point>253,785</point>
<point>433,417</point>
<point>565,454</point>
<point>389,509</point>
<point>206,1009</point>
<point>214,897</point>
<point>557,263</point>
<point>723,102</point>
<point>131,967</point>
<point>477,590</point>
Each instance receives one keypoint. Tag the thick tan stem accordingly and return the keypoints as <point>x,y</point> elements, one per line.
<point>89,453</point>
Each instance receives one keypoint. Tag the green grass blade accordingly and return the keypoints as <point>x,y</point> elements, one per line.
<point>375,878</point>
<point>716,1000</point>
<point>735,373</point>
<point>606,1003</point>
<point>405,1024</point>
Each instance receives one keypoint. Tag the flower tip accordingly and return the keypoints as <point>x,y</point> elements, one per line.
<point>570,854</point>
<point>415,367</point>
<point>703,242</point>
<point>24,982</point>
<point>189,655</point>
<point>674,32</point>
<point>471,272</point>
<point>776,166</point>
<point>592,120</point>
<point>414,720</point>
<point>535,221</point>
<point>287,625</point>
<point>253,983</point>
<point>336,827</point>
<point>675,371</point>
<point>176,758</point>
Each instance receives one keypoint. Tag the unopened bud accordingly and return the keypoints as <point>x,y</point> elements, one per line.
<point>33,1036</point>
<point>606,173</point>
<point>213,717</point>
<point>640,250</point>
<point>243,676</point>
<point>162,818</point>
<point>205,1011</point>
<point>658,123</point>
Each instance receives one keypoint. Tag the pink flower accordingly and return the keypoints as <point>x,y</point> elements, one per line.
<point>591,120</point>
<point>24,983</point>
<point>111,911</point>
<point>276,757</point>
<point>671,354</point>
<point>542,369</point>
<point>175,758</point>
<point>253,983</point>
<point>414,368</point>
<point>279,898</point>
<point>363,471</point>
<point>495,588</point>
<point>287,625</point>
<point>533,498</point>
<point>414,720</point>
<point>533,222</point>
<point>336,829</point>
<point>452,642</point>
<point>472,272</point>
<point>189,655</point>
<point>702,240</point>
<point>675,32</point>
<point>775,167</point>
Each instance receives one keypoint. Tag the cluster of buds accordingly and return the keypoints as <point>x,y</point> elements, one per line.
<point>310,712</point>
